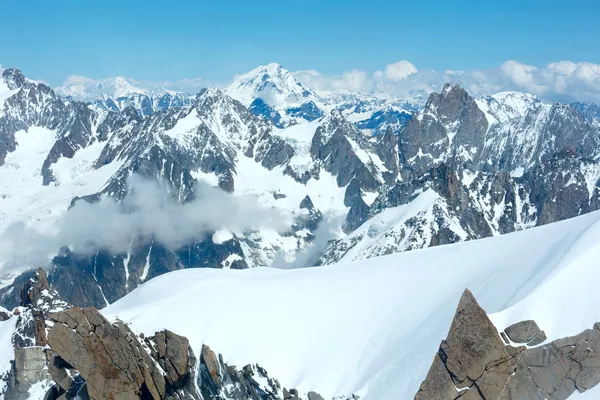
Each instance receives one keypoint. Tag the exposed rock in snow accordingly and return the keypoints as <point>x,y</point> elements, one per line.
<point>473,363</point>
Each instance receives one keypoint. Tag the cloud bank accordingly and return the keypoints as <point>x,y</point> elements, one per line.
<point>84,88</point>
<point>147,213</point>
<point>558,81</point>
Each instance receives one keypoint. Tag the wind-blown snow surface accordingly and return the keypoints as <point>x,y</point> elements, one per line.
<point>372,327</point>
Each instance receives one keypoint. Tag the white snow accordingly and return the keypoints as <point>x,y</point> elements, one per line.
<point>23,197</point>
<point>147,265</point>
<point>38,390</point>
<point>7,352</point>
<point>517,172</point>
<point>88,89</point>
<point>520,102</point>
<point>372,327</point>
<point>591,173</point>
<point>274,84</point>
<point>221,236</point>
<point>184,127</point>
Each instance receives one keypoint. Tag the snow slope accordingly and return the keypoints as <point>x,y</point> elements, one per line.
<point>372,327</point>
<point>23,198</point>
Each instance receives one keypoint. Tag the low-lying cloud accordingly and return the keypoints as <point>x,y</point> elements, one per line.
<point>147,212</point>
<point>558,81</point>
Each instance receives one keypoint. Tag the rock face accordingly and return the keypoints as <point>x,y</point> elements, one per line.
<point>218,380</point>
<point>113,361</point>
<point>29,366</point>
<point>451,129</point>
<point>474,363</point>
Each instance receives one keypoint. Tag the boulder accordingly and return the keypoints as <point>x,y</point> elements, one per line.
<point>523,332</point>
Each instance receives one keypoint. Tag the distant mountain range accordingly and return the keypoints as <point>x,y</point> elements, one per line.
<point>356,175</point>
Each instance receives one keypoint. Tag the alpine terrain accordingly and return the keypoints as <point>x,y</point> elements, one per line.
<point>145,204</point>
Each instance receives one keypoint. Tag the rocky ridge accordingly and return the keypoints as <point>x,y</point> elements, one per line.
<point>66,352</point>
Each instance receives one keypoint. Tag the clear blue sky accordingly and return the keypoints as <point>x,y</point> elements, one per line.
<point>168,40</point>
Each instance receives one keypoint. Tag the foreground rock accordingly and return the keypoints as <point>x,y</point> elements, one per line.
<point>75,353</point>
<point>473,363</point>
<point>29,366</point>
<point>115,363</point>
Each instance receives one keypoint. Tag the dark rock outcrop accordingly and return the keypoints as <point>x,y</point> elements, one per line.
<point>473,363</point>
<point>525,332</point>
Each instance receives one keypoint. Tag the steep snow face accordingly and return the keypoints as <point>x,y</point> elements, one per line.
<point>389,313</point>
<point>504,107</point>
<point>26,200</point>
<point>274,84</point>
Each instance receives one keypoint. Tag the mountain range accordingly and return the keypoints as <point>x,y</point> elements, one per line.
<point>358,176</point>
<point>107,187</point>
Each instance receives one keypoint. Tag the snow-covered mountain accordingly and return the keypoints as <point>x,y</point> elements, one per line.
<point>116,94</point>
<point>463,168</point>
<point>276,94</point>
<point>225,188</point>
<point>86,89</point>
<point>272,83</point>
<point>146,103</point>
<point>591,111</point>
<point>472,168</point>
<point>379,345</point>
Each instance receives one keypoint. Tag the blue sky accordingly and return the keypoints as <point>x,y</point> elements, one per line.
<point>158,40</point>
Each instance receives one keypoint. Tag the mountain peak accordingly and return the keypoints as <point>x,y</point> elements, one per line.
<point>272,83</point>
<point>88,89</point>
<point>119,87</point>
<point>13,77</point>
<point>451,87</point>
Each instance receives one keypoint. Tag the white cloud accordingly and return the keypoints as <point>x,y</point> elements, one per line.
<point>354,80</point>
<point>397,71</point>
<point>522,75</point>
<point>84,88</point>
<point>558,81</point>
<point>149,212</point>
